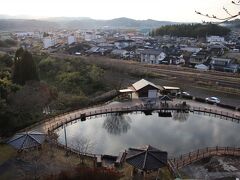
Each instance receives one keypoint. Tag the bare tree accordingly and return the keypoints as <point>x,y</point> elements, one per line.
<point>180,116</point>
<point>182,113</point>
<point>53,138</point>
<point>117,123</point>
<point>229,15</point>
<point>83,146</point>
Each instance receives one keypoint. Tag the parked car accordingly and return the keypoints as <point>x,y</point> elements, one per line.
<point>213,100</point>
<point>183,94</point>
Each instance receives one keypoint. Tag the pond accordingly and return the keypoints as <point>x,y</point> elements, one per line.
<point>181,133</point>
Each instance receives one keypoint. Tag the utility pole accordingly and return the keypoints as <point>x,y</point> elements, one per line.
<point>65,135</point>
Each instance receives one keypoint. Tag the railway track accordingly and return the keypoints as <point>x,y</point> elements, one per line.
<point>217,80</point>
<point>223,79</point>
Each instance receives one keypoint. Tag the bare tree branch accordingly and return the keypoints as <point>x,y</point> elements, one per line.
<point>83,146</point>
<point>229,16</point>
<point>219,18</point>
<point>236,2</point>
<point>225,9</point>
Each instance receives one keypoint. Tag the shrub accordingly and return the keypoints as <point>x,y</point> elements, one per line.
<point>227,106</point>
<point>87,173</point>
<point>187,97</point>
<point>200,99</point>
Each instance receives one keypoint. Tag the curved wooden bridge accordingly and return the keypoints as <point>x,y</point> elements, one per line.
<point>51,124</point>
<point>189,158</point>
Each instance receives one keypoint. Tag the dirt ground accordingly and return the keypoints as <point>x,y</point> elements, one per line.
<point>37,164</point>
<point>49,160</point>
<point>224,168</point>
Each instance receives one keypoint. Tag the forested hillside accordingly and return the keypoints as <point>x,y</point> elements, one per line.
<point>191,30</point>
<point>31,87</point>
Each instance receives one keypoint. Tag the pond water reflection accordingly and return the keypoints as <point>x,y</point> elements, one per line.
<point>176,135</point>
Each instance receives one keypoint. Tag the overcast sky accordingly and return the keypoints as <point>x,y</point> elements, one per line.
<point>167,10</point>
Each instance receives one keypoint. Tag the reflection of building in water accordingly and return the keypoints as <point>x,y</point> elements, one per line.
<point>117,123</point>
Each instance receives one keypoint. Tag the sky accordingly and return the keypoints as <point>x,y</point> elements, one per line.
<point>166,10</point>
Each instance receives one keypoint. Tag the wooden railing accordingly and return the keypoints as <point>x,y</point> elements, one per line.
<point>61,120</point>
<point>199,154</point>
<point>53,123</point>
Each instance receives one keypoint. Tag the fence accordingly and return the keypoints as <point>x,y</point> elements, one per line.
<point>60,121</point>
<point>199,154</point>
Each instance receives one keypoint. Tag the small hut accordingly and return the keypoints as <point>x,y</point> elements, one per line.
<point>146,158</point>
<point>27,140</point>
<point>165,98</point>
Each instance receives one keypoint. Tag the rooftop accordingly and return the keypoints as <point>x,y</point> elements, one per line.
<point>143,83</point>
<point>170,88</point>
<point>151,51</point>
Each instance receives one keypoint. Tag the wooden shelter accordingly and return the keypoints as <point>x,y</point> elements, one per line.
<point>26,140</point>
<point>146,158</point>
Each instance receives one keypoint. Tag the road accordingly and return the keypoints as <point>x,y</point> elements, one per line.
<point>224,85</point>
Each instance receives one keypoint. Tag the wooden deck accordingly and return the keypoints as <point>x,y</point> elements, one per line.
<point>191,157</point>
<point>51,124</point>
<point>58,122</point>
<point>48,125</point>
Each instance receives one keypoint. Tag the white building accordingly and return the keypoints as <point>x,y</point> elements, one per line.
<point>152,56</point>
<point>71,39</point>
<point>202,67</point>
<point>215,39</point>
<point>120,52</point>
<point>24,34</point>
<point>124,43</point>
<point>191,49</point>
<point>89,36</point>
<point>48,42</point>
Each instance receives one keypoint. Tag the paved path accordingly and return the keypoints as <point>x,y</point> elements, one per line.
<point>47,124</point>
<point>193,103</point>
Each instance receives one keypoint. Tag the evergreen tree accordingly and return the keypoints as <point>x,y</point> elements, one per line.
<point>191,30</point>
<point>24,68</point>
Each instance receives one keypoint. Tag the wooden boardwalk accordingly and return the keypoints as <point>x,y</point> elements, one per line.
<point>56,124</point>
<point>183,160</point>
<point>70,117</point>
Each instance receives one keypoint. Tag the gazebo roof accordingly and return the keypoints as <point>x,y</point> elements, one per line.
<point>165,98</point>
<point>146,158</point>
<point>27,140</point>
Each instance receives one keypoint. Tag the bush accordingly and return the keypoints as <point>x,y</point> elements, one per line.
<point>8,43</point>
<point>200,99</point>
<point>187,97</point>
<point>227,106</point>
<point>87,173</point>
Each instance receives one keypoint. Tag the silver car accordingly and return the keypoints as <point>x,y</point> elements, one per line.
<point>213,100</point>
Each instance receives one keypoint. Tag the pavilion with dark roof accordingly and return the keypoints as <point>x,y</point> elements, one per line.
<point>27,140</point>
<point>146,158</point>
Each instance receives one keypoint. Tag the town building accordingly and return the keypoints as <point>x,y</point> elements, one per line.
<point>152,56</point>
<point>48,42</point>
<point>215,39</point>
<point>223,64</point>
<point>71,39</point>
<point>142,89</point>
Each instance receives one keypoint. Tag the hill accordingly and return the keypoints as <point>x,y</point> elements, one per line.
<point>77,23</point>
<point>26,25</point>
<point>191,30</point>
